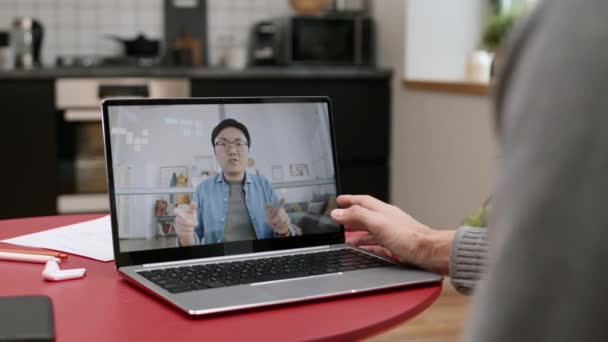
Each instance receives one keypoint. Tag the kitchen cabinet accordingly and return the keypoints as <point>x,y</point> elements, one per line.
<point>29,163</point>
<point>31,138</point>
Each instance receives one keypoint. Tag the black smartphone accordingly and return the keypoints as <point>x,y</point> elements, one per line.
<point>26,318</point>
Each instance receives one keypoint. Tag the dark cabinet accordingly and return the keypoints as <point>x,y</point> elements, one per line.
<point>366,178</point>
<point>361,109</point>
<point>31,134</point>
<point>29,164</point>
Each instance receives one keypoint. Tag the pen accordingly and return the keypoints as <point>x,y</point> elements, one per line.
<point>26,251</point>
<point>27,257</point>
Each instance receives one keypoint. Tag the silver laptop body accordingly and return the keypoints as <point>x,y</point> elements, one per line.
<point>144,174</point>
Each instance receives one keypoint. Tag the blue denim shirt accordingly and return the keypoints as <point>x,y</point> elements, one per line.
<point>212,198</point>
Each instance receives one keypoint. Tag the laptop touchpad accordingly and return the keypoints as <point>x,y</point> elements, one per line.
<point>304,287</point>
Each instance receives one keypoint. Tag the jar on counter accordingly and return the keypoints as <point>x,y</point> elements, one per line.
<point>236,57</point>
<point>6,51</point>
<point>232,52</point>
<point>479,66</point>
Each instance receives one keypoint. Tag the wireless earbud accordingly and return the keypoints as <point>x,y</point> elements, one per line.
<point>52,272</point>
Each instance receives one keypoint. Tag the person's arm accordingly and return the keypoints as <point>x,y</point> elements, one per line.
<point>394,233</point>
<point>278,219</point>
<point>468,258</point>
<point>275,215</point>
<point>199,230</point>
<point>185,223</point>
<point>461,254</point>
<point>188,223</point>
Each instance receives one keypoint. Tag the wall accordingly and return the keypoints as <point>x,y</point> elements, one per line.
<point>280,136</point>
<point>78,27</point>
<point>440,35</point>
<point>442,148</point>
<point>285,135</point>
<point>170,140</point>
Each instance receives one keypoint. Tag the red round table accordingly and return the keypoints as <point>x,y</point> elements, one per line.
<point>103,307</point>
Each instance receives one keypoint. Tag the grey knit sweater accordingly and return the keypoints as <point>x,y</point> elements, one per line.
<point>546,277</point>
<point>468,258</point>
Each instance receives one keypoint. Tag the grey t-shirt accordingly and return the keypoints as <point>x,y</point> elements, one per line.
<point>238,222</point>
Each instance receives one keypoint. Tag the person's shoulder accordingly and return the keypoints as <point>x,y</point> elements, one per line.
<point>209,182</point>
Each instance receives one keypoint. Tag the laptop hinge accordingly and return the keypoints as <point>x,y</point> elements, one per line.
<point>238,257</point>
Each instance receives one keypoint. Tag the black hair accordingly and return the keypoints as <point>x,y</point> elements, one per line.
<point>229,123</point>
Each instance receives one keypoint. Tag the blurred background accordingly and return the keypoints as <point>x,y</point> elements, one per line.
<point>409,82</point>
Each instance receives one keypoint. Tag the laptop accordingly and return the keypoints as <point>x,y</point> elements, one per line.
<point>254,181</point>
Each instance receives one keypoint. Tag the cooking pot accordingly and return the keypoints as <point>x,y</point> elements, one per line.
<point>308,7</point>
<point>138,47</point>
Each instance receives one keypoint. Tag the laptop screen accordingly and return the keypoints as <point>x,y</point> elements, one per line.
<point>224,172</point>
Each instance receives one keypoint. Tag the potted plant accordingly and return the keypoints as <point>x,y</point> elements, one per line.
<point>495,32</point>
<point>497,28</point>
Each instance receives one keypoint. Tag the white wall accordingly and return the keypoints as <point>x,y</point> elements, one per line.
<point>146,140</point>
<point>285,134</point>
<point>442,148</point>
<point>169,140</point>
<point>281,135</point>
<point>440,35</point>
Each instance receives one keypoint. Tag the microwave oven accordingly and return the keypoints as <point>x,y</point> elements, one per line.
<point>313,40</point>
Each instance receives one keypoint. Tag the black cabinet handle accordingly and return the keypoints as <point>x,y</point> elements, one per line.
<point>105,91</point>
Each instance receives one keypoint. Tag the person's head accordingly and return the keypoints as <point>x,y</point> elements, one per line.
<point>231,141</point>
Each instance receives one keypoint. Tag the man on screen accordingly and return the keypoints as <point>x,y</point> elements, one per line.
<point>234,205</point>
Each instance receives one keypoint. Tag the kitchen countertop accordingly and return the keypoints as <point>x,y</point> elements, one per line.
<point>298,72</point>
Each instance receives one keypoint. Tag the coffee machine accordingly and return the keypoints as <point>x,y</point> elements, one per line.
<point>267,43</point>
<point>27,37</point>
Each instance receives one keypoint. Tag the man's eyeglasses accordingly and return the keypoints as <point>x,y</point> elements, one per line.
<point>239,145</point>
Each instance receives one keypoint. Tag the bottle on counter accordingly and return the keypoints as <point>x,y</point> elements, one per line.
<point>6,51</point>
<point>186,50</point>
<point>26,39</point>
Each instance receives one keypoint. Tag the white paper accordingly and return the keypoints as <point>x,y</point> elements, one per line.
<point>92,239</point>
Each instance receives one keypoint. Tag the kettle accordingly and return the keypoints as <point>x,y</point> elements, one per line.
<point>27,37</point>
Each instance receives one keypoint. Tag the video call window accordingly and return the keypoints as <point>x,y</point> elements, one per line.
<point>164,156</point>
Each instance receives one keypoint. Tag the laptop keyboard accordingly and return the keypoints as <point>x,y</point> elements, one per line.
<point>200,277</point>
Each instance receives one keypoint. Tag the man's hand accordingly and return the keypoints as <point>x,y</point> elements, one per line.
<point>277,218</point>
<point>185,222</point>
<point>394,233</point>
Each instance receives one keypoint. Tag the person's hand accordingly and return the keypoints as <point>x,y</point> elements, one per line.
<point>185,222</point>
<point>394,233</point>
<point>277,218</point>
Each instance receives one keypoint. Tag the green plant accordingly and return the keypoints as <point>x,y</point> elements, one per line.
<point>497,28</point>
